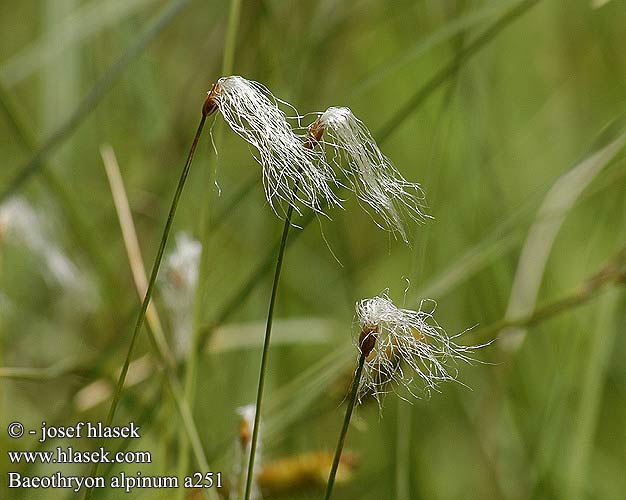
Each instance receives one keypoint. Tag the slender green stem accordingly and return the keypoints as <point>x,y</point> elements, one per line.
<point>151,284</point>
<point>613,273</point>
<point>155,272</point>
<point>592,382</point>
<point>346,423</point>
<point>266,345</point>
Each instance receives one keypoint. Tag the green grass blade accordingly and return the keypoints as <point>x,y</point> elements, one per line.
<point>91,100</point>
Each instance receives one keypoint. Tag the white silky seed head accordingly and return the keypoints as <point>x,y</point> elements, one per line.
<point>373,177</point>
<point>179,281</point>
<point>22,223</point>
<point>409,344</point>
<point>252,112</point>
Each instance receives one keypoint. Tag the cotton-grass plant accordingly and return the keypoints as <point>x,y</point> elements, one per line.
<point>411,349</point>
<point>22,224</point>
<point>398,347</point>
<point>289,168</point>
<point>372,176</point>
<point>295,172</point>
<point>178,288</point>
<point>292,172</point>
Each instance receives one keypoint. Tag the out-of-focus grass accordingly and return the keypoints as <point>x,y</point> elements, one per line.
<point>488,144</point>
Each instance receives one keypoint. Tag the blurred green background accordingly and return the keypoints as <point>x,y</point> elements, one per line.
<point>508,113</point>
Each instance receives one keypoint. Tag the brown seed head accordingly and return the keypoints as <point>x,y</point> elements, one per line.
<point>367,339</point>
<point>210,105</point>
<point>316,131</point>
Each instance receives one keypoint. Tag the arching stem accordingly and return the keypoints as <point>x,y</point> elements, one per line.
<point>151,283</point>
<point>266,344</point>
<point>346,423</point>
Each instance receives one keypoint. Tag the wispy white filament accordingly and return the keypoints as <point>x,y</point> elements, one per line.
<point>375,180</point>
<point>21,223</point>
<point>291,171</point>
<point>409,344</point>
<point>178,287</point>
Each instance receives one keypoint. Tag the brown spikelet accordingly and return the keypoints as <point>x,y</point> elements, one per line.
<point>210,105</point>
<point>367,339</point>
<point>316,131</point>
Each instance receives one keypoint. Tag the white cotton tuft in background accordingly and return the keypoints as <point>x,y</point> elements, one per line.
<point>179,281</point>
<point>21,224</point>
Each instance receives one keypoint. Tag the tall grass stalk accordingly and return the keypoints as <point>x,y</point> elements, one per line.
<point>346,423</point>
<point>555,208</point>
<point>592,392</point>
<point>153,276</point>
<point>155,330</point>
<point>266,345</point>
<point>155,271</point>
<point>131,242</point>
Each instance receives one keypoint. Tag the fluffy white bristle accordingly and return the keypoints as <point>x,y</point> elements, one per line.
<point>253,113</point>
<point>373,177</point>
<point>409,344</point>
<point>179,281</point>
